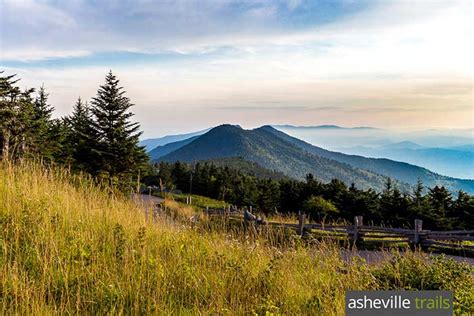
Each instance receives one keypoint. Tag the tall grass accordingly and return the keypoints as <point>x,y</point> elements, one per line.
<point>67,246</point>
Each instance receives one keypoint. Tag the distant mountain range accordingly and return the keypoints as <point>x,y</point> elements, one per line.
<point>455,161</point>
<point>401,171</point>
<point>333,136</point>
<point>152,143</point>
<point>324,127</point>
<point>447,152</point>
<point>163,150</point>
<point>292,157</point>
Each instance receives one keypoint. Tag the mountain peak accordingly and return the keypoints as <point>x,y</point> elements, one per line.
<point>266,128</point>
<point>223,127</point>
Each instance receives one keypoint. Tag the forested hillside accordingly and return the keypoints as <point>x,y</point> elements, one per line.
<point>272,152</point>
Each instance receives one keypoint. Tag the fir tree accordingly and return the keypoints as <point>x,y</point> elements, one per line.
<point>463,210</point>
<point>81,138</point>
<point>441,202</point>
<point>43,110</point>
<point>119,155</point>
<point>269,197</point>
<point>45,139</point>
<point>16,118</point>
<point>7,112</point>
<point>418,192</point>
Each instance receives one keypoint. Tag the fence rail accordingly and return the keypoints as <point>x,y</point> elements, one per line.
<point>454,240</point>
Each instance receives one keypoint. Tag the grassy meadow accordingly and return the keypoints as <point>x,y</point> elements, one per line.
<point>70,247</point>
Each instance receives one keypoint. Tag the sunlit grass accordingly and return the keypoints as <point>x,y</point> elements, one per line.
<point>198,201</point>
<point>67,246</point>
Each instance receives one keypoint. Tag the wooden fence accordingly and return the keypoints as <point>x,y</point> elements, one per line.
<point>360,234</point>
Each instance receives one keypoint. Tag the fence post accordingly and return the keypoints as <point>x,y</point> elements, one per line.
<point>418,229</point>
<point>358,221</point>
<point>301,223</point>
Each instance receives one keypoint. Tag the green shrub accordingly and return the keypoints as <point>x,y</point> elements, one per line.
<point>409,271</point>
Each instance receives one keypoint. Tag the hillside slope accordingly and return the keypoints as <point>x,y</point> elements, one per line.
<point>397,170</point>
<point>247,167</point>
<point>273,153</point>
<point>68,247</point>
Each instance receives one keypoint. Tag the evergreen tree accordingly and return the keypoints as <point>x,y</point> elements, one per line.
<point>181,176</point>
<point>463,210</point>
<point>27,129</point>
<point>269,196</point>
<point>45,138</point>
<point>245,190</point>
<point>164,175</point>
<point>60,149</point>
<point>43,110</point>
<point>8,112</point>
<point>119,154</point>
<point>16,118</point>
<point>291,195</point>
<point>419,207</point>
<point>418,192</point>
<point>386,199</point>
<point>441,201</point>
<point>81,138</point>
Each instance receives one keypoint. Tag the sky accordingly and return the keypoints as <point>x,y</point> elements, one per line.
<point>191,64</point>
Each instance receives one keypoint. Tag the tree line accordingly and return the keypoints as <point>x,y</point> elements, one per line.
<point>436,206</point>
<point>98,137</point>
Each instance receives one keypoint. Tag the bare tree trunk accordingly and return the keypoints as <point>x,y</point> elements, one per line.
<point>6,144</point>
<point>23,144</point>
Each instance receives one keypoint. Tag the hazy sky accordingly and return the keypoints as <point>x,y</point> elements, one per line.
<point>188,64</point>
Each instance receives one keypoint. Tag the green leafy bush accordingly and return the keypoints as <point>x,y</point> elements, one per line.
<point>408,271</point>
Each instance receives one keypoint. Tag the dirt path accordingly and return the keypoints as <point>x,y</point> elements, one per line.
<point>148,202</point>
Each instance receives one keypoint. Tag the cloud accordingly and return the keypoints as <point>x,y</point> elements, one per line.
<point>153,26</point>
<point>251,62</point>
<point>390,38</point>
<point>29,56</point>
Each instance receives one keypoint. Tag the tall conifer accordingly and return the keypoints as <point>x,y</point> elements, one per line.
<point>45,132</point>
<point>120,155</point>
<point>81,138</point>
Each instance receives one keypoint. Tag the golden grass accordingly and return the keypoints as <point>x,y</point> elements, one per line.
<point>69,247</point>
